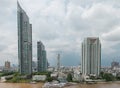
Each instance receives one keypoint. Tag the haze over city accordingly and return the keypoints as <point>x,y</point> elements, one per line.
<point>62,25</point>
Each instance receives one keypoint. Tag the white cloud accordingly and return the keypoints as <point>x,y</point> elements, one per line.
<point>113,35</point>
<point>61,25</point>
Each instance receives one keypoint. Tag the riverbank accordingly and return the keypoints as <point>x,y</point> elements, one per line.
<point>100,82</point>
<point>109,82</point>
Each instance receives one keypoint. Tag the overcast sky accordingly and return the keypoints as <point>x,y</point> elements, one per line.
<point>62,25</point>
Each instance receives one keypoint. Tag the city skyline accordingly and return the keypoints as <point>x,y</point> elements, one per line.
<point>63,28</point>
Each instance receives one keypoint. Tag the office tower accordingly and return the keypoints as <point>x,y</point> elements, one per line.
<point>91,56</point>
<point>41,56</point>
<point>24,41</point>
<point>7,64</point>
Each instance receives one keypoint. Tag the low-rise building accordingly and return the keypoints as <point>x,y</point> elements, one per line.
<point>76,76</point>
<point>50,69</point>
<point>55,74</point>
<point>39,77</point>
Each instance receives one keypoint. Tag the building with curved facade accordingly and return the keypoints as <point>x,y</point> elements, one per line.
<point>24,41</point>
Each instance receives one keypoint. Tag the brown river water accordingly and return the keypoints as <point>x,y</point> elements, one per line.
<point>101,85</point>
<point>39,85</point>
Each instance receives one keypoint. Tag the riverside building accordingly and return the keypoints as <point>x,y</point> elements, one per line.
<point>91,56</point>
<point>24,41</point>
<point>41,57</point>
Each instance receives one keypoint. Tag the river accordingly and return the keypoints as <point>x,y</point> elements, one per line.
<point>101,85</point>
<point>20,85</point>
<point>39,85</point>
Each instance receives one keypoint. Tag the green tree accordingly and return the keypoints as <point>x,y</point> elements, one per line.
<point>14,80</point>
<point>108,77</point>
<point>49,79</point>
<point>118,77</point>
<point>102,74</point>
<point>69,77</point>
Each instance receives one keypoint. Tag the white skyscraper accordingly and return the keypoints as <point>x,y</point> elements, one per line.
<point>91,56</point>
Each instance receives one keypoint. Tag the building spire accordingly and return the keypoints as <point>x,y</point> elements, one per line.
<point>18,4</point>
<point>58,62</point>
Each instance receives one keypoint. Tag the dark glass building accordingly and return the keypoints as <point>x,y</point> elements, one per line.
<point>24,41</point>
<point>41,57</point>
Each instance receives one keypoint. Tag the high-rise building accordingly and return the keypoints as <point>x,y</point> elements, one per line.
<point>7,64</point>
<point>114,64</point>
<point>41,56</point>
<point>91,56</point>
<point>24,41</point>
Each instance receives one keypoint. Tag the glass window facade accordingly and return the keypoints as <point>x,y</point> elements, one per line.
<point>24,41</point>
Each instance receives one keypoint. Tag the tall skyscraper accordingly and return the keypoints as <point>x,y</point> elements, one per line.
<point>91,56</point>
<point>24,41</point>
<point>41,56</point>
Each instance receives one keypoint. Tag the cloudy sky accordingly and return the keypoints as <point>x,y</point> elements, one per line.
<point>62,25</point>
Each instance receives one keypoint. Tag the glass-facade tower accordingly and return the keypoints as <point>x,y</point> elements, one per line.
<point>24,41</point>
<point>41,57</point>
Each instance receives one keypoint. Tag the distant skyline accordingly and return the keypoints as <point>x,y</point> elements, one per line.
<point>62,25</point>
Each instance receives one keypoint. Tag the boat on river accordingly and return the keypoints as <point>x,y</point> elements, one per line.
<point>54,84</point>
<point>33,82</point>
